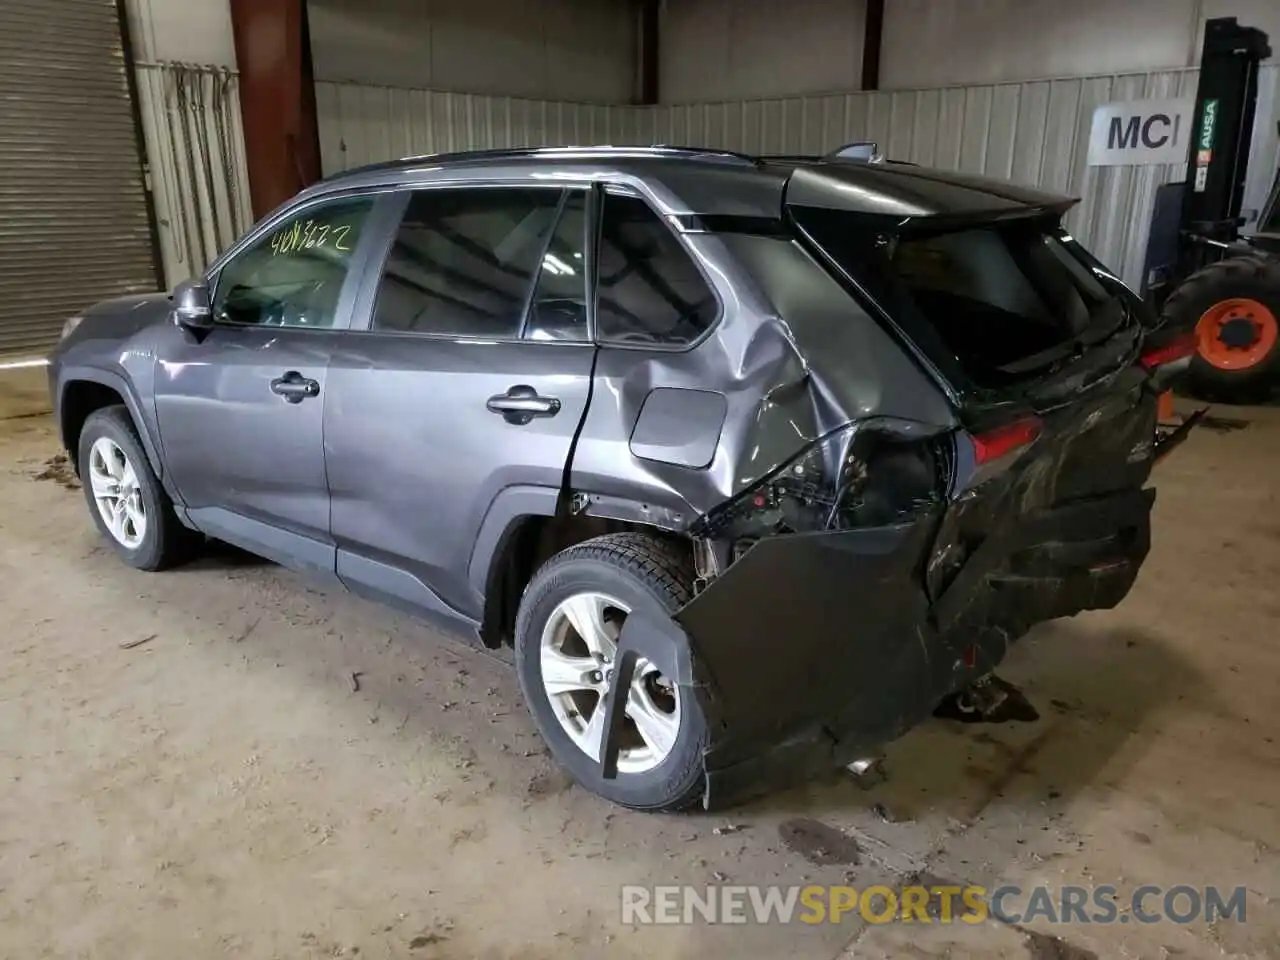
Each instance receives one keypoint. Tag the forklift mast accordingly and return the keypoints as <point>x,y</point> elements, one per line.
<point>1222,128</point>
<point>1198,222</point>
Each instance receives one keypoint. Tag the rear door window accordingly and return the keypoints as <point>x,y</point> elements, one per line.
<point>558,308</point>
<point>464,262</point>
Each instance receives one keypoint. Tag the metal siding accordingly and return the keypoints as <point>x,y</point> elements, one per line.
<point>938,43</point>
<point>550,49</point>
<point>1035,132</point>
<point>182,31</point>
<point>196,158</point>
<point>74,222</point>
<point>728,49</point>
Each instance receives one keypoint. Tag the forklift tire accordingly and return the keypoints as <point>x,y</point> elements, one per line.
<point>1234,308</point>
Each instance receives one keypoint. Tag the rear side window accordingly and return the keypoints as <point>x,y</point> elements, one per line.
<point>649,290</point>
<point>463,262</point>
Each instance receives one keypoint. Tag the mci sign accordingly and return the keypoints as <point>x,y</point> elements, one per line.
<point>1140,132</point>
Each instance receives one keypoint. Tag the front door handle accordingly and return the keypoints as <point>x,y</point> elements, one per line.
<point>294,387</point>
<point>522,403</point>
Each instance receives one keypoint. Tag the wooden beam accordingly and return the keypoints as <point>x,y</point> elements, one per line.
<point>277,99</point>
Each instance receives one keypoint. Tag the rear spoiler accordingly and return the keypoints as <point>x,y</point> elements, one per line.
<point>906,193</point>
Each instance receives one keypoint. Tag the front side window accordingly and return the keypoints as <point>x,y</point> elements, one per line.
<point>649,290</point>
<point>464,261</point>
<point>292,276</point>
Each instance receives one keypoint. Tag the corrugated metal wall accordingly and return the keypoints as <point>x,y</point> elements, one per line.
<point>362,124</point>
<point>196,160</point>
<point>558,49</point>
<point>181,31</point>
<point>727,49</point>
<point>929,43</point>
<point>1035,133</point>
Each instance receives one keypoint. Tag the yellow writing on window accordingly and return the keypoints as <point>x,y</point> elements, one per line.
<point>311,235</point>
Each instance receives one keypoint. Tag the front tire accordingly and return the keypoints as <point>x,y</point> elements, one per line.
<point>566,631</point>
<point>126,499</point>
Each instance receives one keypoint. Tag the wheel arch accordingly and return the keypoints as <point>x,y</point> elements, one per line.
<point>84,390</point>
<point>524,527</point>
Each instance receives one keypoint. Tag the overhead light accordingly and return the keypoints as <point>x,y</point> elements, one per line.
<point>557,266</point>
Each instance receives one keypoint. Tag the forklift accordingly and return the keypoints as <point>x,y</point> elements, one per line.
<point>1201,276</point>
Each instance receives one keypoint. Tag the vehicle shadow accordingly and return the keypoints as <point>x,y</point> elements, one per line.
<point>1098,693</point>
<point>217,555</point>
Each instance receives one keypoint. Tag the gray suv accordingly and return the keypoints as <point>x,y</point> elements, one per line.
<point>753,460</point>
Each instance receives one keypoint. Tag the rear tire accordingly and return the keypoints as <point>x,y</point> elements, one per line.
<point>136,516</point>
<point>627,572</point>
<point>1245,293</point>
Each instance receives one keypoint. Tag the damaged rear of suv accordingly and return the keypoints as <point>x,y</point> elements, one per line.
<point>934,430</point>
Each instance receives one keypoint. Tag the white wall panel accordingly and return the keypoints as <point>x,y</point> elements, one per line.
<point>554,49</point>
<point>1034,132</point>
<point>196,162</point>
<point>188,31</point>
<point>727,49</point>
<point>936,43</point>
<point>362,124</point>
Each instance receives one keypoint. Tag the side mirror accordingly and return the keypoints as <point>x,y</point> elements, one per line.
<point>191,306</point>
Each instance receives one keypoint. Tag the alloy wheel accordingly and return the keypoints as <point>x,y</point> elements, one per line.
<point>578,651</point>
<point>116,491</point>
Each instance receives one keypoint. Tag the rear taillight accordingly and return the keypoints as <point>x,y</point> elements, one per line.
<point>1179,348</point>
<point>999,443</point>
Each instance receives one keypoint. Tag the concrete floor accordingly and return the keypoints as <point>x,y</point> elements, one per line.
<point>226,789</point>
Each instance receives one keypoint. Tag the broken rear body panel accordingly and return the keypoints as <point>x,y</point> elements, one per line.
<point>810,647</point>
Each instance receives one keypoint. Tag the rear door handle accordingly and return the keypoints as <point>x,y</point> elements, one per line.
<point>522,403</point>
<point>294,387</point>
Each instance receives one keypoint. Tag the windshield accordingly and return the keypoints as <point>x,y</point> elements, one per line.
<point>1004,300</point>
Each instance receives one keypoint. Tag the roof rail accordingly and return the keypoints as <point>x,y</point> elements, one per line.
<point>657,151</point>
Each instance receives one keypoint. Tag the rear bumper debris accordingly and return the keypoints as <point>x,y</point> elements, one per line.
<point>1166,443</point>
<point>815,649</point>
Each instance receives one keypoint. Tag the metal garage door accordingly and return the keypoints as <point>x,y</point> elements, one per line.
<point>74,226</point>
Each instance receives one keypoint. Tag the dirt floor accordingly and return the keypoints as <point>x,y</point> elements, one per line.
<point>223,761</point>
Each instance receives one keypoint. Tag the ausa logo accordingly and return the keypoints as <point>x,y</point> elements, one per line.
<point>1208,124</point>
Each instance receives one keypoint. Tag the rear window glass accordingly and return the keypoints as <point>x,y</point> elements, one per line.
<point>999,298</point>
